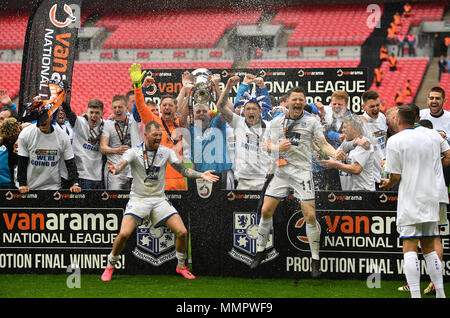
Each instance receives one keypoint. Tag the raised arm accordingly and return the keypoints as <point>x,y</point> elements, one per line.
<point>136,77</point>
<point>223,104</point>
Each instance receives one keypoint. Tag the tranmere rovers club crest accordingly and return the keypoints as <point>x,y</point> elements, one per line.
<point>245,233</point>
<point>154,245</point>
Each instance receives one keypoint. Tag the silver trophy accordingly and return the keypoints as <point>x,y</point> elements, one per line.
<point>203,91</point>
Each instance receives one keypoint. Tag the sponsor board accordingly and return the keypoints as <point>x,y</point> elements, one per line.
<point>319,83</point>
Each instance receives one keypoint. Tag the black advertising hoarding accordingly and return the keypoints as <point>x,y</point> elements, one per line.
<point>47,231</point>
<point>50,231</point>
<point>50,47</point>
<point>319,83</point>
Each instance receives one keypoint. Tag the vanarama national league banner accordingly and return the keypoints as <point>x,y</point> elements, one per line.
<point>49,48</point>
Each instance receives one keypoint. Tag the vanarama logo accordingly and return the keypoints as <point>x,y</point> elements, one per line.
<point>52,15</point>
<point>59,221</point>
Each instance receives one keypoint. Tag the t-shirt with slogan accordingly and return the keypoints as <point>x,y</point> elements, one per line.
<point>44,152</point>
<point>86,147</point>
<point>149,183</point>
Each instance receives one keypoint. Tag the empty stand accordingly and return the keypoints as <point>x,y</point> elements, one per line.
<point>12,29</point>
<point>407,68</point>
<point>445,84</point>
<point>190,28</point>
<point>302,63</point>
<point>10,77</point>
<point>331,25</point>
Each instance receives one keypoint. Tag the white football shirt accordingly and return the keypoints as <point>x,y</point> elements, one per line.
<point>250,160</point>
<point>300,133</point>
<point>363,181</point>
<point>86,148</point>
<point>155,181</point>
<point>377,129</point>
<point>411,154</point>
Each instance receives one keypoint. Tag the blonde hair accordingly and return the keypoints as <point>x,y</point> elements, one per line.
<point>340,95</point>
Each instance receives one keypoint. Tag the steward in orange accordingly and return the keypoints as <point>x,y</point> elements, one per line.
<point>392,62</point>
<point>383,54</point>
<point>399,97</point>
<point>167,120</point>
<point>378,76</point>
<point>408,91</point>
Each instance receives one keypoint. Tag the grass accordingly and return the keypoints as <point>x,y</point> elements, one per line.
<point>174,286</point>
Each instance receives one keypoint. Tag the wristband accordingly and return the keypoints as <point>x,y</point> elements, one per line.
<point>137,84</point>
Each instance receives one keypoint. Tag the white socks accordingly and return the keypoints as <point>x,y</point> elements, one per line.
<point>264,227</point>
<point>313,234</point>
<point>181,257</point>
<point>411,268</point>
<point>412,272</point>
<point>112,260</point>
<point>434,268</point>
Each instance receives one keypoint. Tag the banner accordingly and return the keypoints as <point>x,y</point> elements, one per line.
<point>319,83</point>
<point>48,231</point>
<point>49,48</point>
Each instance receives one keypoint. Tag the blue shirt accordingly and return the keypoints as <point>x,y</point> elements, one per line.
<point>209,147</point>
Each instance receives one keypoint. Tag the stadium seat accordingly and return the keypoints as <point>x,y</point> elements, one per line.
<point>407,68</point>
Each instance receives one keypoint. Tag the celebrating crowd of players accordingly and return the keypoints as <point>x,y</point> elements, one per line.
<point>252,143</point>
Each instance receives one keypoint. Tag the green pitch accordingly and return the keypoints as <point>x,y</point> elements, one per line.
<point>175,286</point>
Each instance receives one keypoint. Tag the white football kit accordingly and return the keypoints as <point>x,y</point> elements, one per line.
<point>411,154</point>
<point>147,196</point>
<point>251,162</point>
<point>296,173</point>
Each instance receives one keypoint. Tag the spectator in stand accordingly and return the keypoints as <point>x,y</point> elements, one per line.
<point>378,76</point>
<point>397,19</point>
<point>448,63</point>
<point>398,99</point>
<point>407,10</point>
<point>251,132</point>
<point>9,132</point>
<point>117,137</point>
<point>41,147</point>
<point>411,44</point>
<point>408,90</point>
<point>443,66</point>
<point>87,130</point>
<point>383,54</point>
<point>439,117</point>
<point>168,120</point>
<point>392,62</point>
<point>356,171</point>
<point>375,122</point>
<point>400,44</point>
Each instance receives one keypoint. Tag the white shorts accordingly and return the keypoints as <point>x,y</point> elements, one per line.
<point>154,209</point>
<point>250,184</point>
<point>427,229</point>
<point>301,183</point>
<point>443,214</point>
